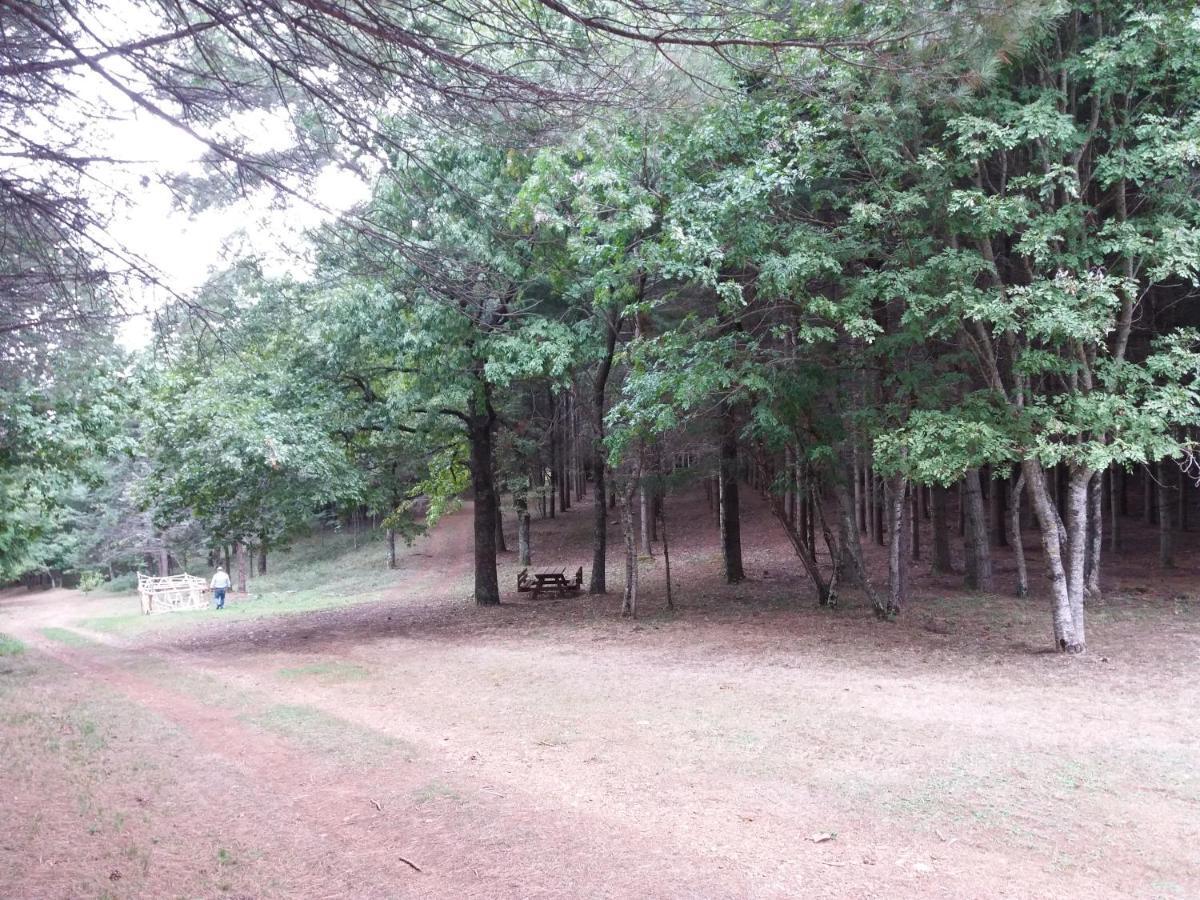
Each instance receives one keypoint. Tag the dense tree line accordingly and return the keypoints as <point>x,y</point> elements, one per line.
<point>860,270</point>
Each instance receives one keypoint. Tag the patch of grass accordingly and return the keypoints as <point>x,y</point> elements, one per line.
<point>315,729</point>
<point>66,636</point>
<point>331,672</point>
<point>435,790</point>
<point>10,646</point>
<point>318,573</point>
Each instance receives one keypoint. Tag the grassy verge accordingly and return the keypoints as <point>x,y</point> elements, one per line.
<point>320,572</point>
<point>10,646</point>
<point>66,636</point>
<point>316,730</point>
<point>330,672</point>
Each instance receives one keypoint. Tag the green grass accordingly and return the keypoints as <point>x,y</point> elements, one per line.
<point>435,790</point>
<point>320,572</point>
<point>10,646</point>
<point>331,672</point>
<point>66,636</point>
<point>314,729</point>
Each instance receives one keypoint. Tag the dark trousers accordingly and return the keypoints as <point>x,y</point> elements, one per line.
<point>219,596</point>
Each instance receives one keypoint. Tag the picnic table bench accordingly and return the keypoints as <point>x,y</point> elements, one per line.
<point>549,578</point>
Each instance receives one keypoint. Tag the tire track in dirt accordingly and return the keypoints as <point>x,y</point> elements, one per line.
<point>487,846</point>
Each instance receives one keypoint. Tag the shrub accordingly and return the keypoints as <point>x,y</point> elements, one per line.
<point>123,583</point>
<point>89,581</point>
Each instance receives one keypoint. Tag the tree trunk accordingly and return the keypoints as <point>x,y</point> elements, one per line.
<point>975,540</point>
<point>898,562</point>
<point>1014,534</point>
<point>940,521</point>
<point>1147,496</point>
<point>1095,536</point>
<point>1115,489</point>
<point>1066,637</point>
<point>853,547</point>
<point>164,561</point>
<point>391,548</point>
<point>804,552</point>
<point>644,502</point>
<point>241,567</point>
<point>1166,543</point>
<point>262,556</point>
<point>596,583</point>
<point>662,520</point>
<point>880,507</point>
<point>915,515</point>
<point>869,500</point>
<point>564,455</point>
<point>731,529</point>
<point>630,597</point>
<point>228,563</point>
<point>860,511</point>
<point>521,502</point>
<point>487,586</point>
<point>1077,543</point>
<point>996,491</point>
<point>501,544</point>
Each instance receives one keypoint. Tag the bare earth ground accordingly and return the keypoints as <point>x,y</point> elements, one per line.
<point>417,746</point>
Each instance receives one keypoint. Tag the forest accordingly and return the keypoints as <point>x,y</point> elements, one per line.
<point>877,262</point>
<point>719,449</point>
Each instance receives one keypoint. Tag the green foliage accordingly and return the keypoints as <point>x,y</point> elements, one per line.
<point>90,580</point>
<point>10,646</point>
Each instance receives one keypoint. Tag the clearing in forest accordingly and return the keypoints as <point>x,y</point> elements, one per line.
<point>404,742</point>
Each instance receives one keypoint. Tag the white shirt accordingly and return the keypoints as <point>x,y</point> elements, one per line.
<point>220,580</point>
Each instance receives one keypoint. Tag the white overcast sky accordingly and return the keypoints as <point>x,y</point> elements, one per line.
<point>145,220</point>
<point>186,248</point>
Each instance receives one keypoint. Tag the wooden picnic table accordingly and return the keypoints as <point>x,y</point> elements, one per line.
<point>549,577</point>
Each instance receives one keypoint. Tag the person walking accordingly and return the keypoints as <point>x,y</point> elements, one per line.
<point>220,583</point>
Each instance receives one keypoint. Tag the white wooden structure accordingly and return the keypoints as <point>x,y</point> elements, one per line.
<point>172,593</point>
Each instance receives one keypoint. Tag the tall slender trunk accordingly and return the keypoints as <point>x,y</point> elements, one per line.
<point>996,498</point>
<point>940,521</point>
<point>662,521</point>
<point>1066,635</point>
<point>644,511</point>
<point>860,510</point>
<point>853,546</point>
<point>1147,496</point>
<point>1166,544</point>
<point>1077,542</point>
<point>164,561</point>
<point>262,556</point>
<point>805,552</point>
<point>1115,490</point>
<point>241,567</point>
<point>1014,533</point>
<point>483,482</point>
<point>731,529</point>
<point>975,541</point>
<point>915,516</point>
<point>1095,536</point>
<point>521,501</point>
<point>501,544</point>
<point>898,561</point>
<point>880,506</point>
<point>630,597</point>
<point>391,548</point>
<point>869,499</point>
<point>596,584</point>
<point>564,456</point>
<point>227,554</point>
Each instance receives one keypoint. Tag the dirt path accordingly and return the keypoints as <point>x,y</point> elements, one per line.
<point>553,750</point>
